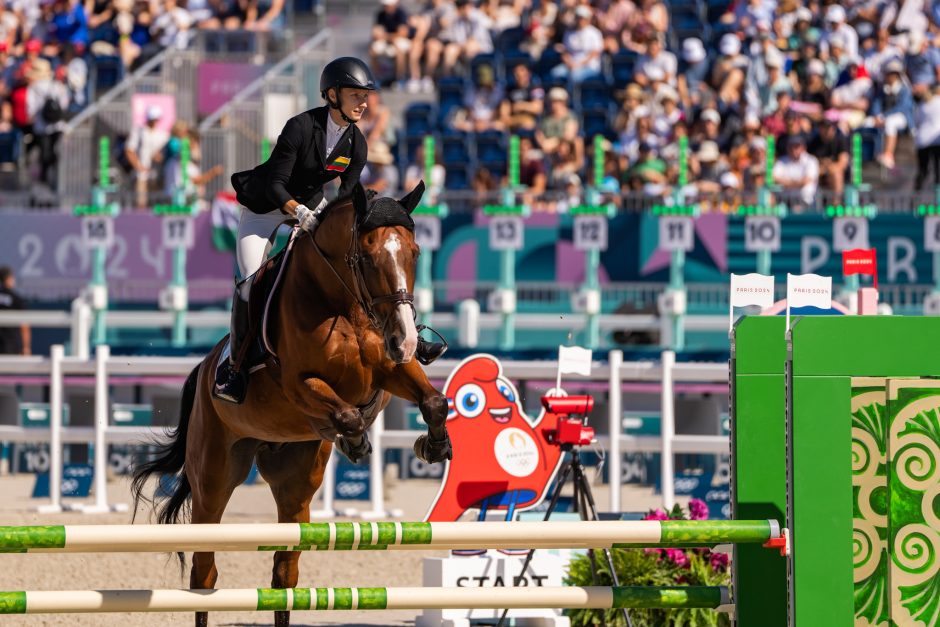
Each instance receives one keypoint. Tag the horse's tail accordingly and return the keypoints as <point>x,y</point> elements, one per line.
<point>170,459</point>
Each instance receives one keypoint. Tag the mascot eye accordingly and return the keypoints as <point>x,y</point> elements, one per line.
<point>471,400</point>
<point>506,390</point>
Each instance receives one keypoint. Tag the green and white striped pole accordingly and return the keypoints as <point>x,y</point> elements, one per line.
<point>324,599</point>
<point>381,536</point>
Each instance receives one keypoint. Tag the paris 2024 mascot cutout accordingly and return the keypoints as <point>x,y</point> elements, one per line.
<point>501,458</point>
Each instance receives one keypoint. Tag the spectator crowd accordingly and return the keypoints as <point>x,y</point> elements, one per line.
<point>725,75</point>
<point>55,54</point>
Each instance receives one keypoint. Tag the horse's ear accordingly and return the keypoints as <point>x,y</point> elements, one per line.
<point>411,201</point>
<point>360,202</point>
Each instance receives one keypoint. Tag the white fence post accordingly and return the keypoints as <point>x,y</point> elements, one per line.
<point>668,430</point>
<point>615,416</point>
<point>55,432</point>
<point>102,411</point>
<point>81,328</point>
<point>377,474</point>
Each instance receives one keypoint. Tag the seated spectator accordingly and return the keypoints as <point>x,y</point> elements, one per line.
<point>542,24</point>
<point>729,71</point>
<point>582,48</point>
<point>69,23</point>
<point>656,58</point>
<point>647,168</point>
<point>927,137</point>
<point>427,44</point>
<point>776,82</point>
<point>484,185</point>
<point>831,147</point>
<point>380,172</point>
<point>852,97</point>
<point>654,20</point>
<point>641,133</point>
<point>468,36</point>
<point>374,121</point>
<point>803,30</point>
<point>391,37</point>
<point>222,14</point>
<point>481,104</point>
<point>813,94</point>
<point>922,64</point>
<point>563,162</point>
<point>415,173</point>
<point>708,128</point>
<point>668,113</point>
<point>264,15</point>
<point>836,24</point>
<point>524,102</point>
<point>144,152</point>
<point>883,52</point>
<point>532,172</point>
<point>775,123</point>
<point>47,102</point>
<point>692,80</point>
<point>892,109</point>
<point>706,167</point>
<point>633,97</point>
<point>749,14</point>
<point>503,14</point>
<point>798,171</point>
<point>76,76</point>
<point>559,125</point>
<point>616,23</point>
<point>755,175</point>
<point>169,28</point>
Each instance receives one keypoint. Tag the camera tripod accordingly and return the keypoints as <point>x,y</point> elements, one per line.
<point>583,499</point>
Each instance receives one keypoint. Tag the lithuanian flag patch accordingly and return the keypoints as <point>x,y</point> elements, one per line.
<point>339,164</point>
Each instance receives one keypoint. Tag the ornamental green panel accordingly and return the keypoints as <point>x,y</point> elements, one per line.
<point>914,514</point>
<point>870,488</point>
<point>758,441</point>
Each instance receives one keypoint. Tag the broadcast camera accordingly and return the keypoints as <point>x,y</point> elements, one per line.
<point>571,428</point>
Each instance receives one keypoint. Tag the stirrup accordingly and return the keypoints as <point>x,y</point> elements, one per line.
<point>230,385</point>
<point>428,352</point>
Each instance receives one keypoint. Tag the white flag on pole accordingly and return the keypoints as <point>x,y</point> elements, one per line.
<point>808,290</point>
<point>574,360</point>
<point>750,289</point>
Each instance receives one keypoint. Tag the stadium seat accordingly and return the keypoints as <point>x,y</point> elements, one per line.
<point>420,119</point>
<point>596,121</point>
<point>450,91</point>
<point>510,39</point>
<point>547,62</point>
<point>458,178</point>
<point>11,146</point>
<point>622,65</point>
<point>714,9</point>
<point>107,71</point>
<point>455,149</point>
<point>491,146</point>
<point>593,93</point>
<point>871,143</point>
<point>106,32</point>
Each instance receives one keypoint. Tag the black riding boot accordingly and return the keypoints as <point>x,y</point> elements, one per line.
<point>231,379</point>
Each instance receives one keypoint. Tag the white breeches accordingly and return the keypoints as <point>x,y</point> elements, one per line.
<point>254,229</point>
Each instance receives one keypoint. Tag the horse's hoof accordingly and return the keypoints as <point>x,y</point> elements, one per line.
<point>355,452</point>
<point>431,451</point>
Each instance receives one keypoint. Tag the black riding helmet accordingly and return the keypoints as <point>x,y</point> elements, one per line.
<point>345,72</point>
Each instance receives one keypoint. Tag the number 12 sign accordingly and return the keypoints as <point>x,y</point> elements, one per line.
<point>590,232</point>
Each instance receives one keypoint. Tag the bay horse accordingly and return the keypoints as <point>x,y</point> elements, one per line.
<point>344,339</point>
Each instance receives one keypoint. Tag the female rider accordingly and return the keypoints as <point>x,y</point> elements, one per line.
<point>315,147</point>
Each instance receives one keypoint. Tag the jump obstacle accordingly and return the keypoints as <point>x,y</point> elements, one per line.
<point>280,599</point>
<point>377,536</point>
<point>384,536</point>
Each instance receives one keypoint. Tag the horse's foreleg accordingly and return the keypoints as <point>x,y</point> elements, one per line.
<point>409,382</point>
<point>315,397</point>
<point>294,472</point>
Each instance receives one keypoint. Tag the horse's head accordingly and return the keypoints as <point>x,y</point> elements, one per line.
<point>388,255</point>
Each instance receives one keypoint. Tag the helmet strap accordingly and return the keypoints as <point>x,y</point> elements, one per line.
<point>336,105</point>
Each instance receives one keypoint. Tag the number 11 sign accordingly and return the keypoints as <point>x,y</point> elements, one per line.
<point>676,233</point>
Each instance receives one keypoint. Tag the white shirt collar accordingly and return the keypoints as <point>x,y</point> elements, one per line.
<point>333,127</point>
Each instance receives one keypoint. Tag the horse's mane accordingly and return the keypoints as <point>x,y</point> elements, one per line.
<point>381,211</point>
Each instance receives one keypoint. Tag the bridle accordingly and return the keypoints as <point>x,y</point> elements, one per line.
<point>359,291</point>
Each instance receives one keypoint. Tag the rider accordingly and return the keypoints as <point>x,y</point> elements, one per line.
<point>315,147</point>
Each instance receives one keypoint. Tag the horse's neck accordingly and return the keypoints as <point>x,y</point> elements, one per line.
<point>322,276</point>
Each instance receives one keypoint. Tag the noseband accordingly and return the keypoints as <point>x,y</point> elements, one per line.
<point>359,290</point>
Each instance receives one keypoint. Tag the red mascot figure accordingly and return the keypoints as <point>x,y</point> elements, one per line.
<point>501,458</point>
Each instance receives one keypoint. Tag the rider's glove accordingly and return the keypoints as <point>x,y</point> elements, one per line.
<point>307,218</point>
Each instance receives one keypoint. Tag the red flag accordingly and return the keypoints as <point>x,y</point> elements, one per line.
<point>860,261</point>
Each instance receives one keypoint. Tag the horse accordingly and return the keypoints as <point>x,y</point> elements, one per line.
<point>340,354</point>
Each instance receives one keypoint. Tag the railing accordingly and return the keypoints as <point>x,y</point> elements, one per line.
<point>234,135</point>
<point>614,372</point>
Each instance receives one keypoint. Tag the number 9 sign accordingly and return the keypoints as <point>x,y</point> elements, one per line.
<point>849,233</point>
